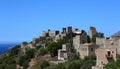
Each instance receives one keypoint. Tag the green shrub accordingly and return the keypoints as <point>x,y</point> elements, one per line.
<point>60,66</point>
<point>44,64</point>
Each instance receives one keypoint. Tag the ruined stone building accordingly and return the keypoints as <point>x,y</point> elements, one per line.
<point>107,50</point>
<point>104,55</point>
<point>50,33</point>
<point>56,35</point>
<point>87,49</point>
<point>61,35</point>
<point>70,31</point>
<point>53,33</point>
<point>109,42</point>
<point>80,44</point>
<point>65,52</point>
<point>35,41</point>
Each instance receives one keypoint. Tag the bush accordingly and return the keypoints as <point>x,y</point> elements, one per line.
<point>30,53</point>
<point>2,66</point>
<point>76,63</point>
<point>44,64</point>
<point>14,51</point>
<point>9,60</point>
<point>60,66</point>
<point>10,66</point>
<point>73,65</point>
<point>113,65</point>
<point>20,60</point>
<point>26,64</point>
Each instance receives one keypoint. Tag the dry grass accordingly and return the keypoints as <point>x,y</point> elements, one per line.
<point>40,60</point>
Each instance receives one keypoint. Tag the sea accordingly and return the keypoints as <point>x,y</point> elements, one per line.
<point>5,47</point>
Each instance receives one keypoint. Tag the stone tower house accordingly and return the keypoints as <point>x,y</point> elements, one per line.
<point>92,32</point>
<point>80,37</point>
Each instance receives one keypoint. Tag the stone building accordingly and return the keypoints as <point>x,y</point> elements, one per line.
<point>87,49</point>
<point>64,30</point>
<point>107,51</point>
<point>65,52</point>
<point>105,55</point>
<point>61,35</point>
<point>24,45</point>
<point>109,42</point>
<point>70,32</point>
<point>100,41</point>
<point>44,34</point>
<point>50,33</point>
<point>57,37</point>
<point>35,41</point>
<point>92,32</point>
<point>53,33</point>
<point>80,37</point>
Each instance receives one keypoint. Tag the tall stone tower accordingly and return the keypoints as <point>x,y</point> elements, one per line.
<point>93,32</point>
<point>79,38</point>
<point>64,30</point>
<point>70,31</point>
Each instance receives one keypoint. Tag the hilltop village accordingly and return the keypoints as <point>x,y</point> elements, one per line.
<point>73,42</point>
<point>94,44</point>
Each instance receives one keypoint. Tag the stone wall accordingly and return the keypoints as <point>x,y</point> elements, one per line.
<point>100,41</point>
<point>87,49</point>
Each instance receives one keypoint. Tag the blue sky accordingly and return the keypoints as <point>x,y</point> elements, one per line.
<point>21,20</point>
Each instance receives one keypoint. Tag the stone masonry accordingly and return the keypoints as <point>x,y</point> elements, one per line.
<point>65,52</point>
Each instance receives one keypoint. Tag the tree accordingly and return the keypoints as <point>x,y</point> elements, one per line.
<point>63,41</point>
<point>53,48</point>
<point>93,39</point>
<point>42,51</point>
<point>88,39</point>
